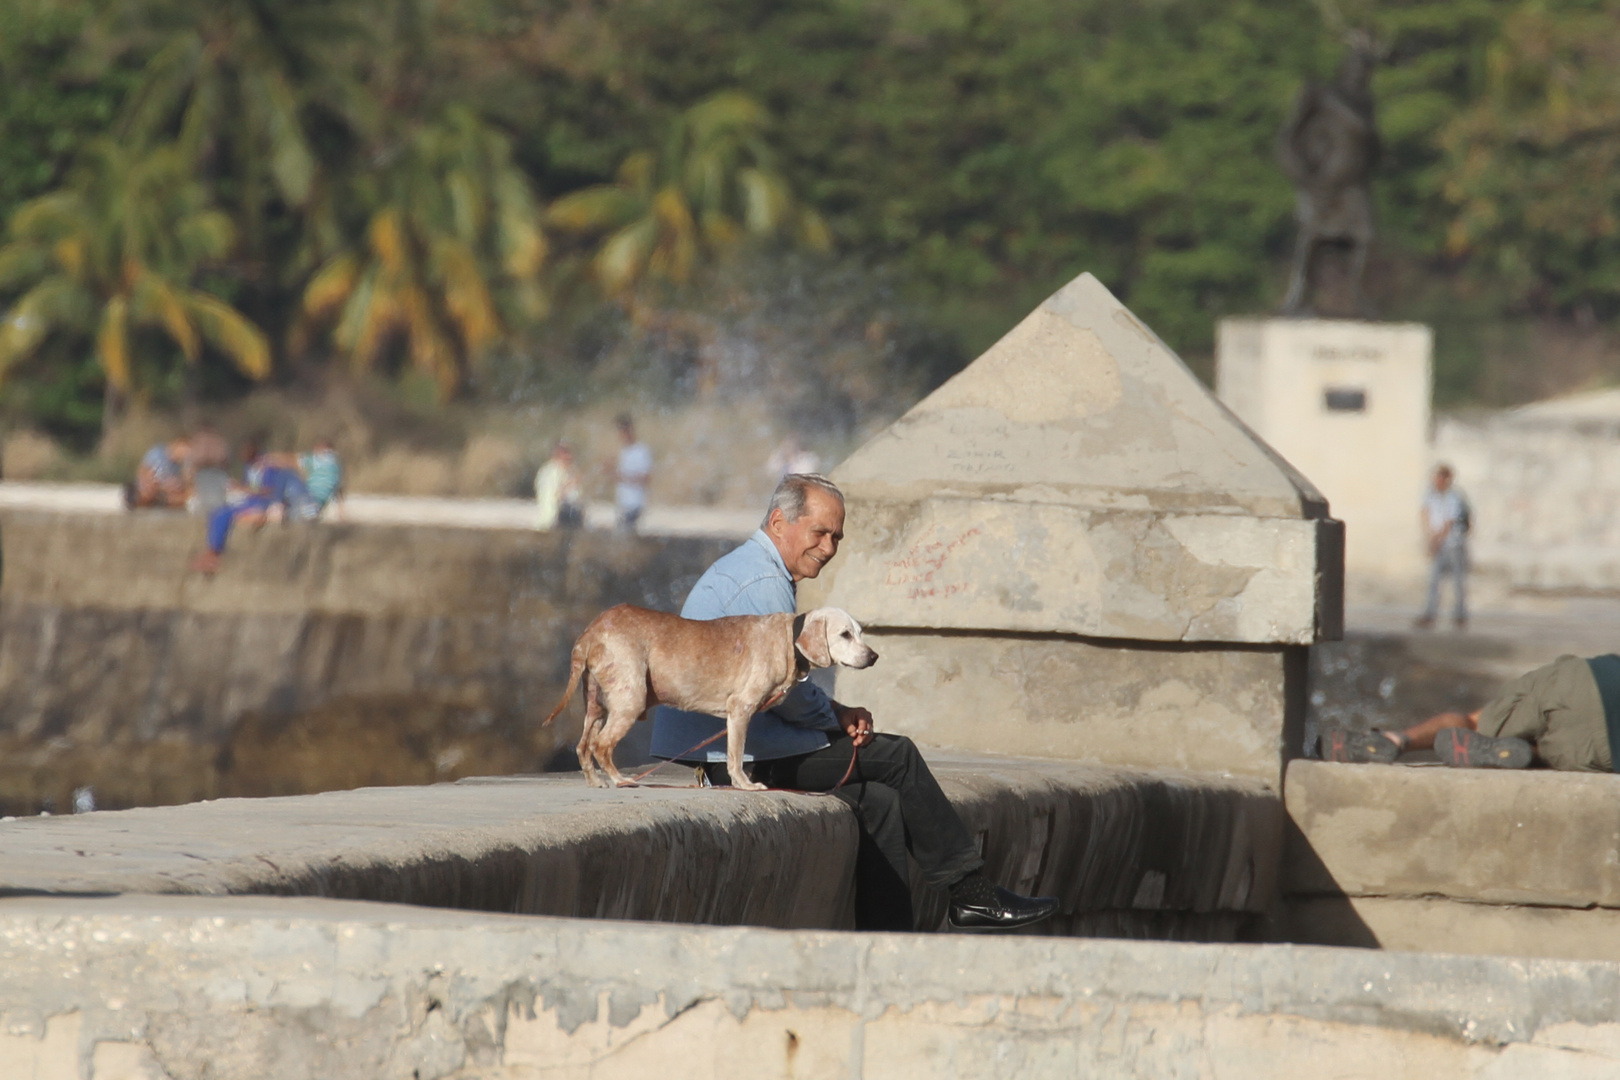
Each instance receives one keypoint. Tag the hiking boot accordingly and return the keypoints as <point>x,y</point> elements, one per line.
<point>1372,748</point>
<point>1464,749</point>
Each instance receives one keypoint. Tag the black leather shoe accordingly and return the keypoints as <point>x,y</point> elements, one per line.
<point>1008,911</point>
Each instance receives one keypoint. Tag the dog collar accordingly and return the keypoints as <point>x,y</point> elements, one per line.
<point>801,662</point>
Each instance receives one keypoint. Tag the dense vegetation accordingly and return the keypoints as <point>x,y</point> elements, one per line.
<point>201,193</point>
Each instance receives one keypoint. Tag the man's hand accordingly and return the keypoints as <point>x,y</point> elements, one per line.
<point>856,722</point>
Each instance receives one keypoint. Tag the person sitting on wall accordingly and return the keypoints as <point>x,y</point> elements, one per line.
<point>161,478</point>
<point>1566,714</point>
<point>807,740</point>
<point>272,489</point>
<point>322,473</point>
<point>558,497</point>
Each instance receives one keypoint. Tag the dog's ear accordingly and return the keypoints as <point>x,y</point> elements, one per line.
<point>812,640</point>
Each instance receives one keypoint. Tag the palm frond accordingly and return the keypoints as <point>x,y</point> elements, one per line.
<point>292,164</point>
<point>677,250</point>
<point>388,240</point>
<point>49,216</point>
<point>163,83</point>
<point>623,257</point>
<point>231,332</point>
<point>431,351</point>
<point>727,110</point>
<point>22,261</point>
<point>331,285</point>
<point>56,302</point>
<point>766,201</point>
<point>518,234</point>
<point>112,343</point>
<point>639,172</point>
<point>467,297</point>
<point>153,299</point>
<point>596,209</point>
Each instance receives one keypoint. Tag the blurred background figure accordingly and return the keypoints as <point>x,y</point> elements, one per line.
<point>210,480</point>
<point>160,479</point>
<point>557,493</point>
<point>322,471</point>
<point>791,457</point>
<point>1445,524</point>
<point>634,469</point>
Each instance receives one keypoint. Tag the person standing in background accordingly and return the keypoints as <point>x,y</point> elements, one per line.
<point>557,491</point>
<point>1446,522</point>
<point>634,469</point>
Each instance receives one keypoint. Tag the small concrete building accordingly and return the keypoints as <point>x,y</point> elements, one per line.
<point>1071,549</point>
<point>1347,403</point>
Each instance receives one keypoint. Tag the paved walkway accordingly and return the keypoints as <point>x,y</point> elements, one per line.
<point>413,510</point>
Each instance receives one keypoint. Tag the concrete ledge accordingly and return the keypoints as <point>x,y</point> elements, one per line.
<point>1525,837</point>
<point>1136,852</point>
<point>305,989</point>
<point>1439,924</point>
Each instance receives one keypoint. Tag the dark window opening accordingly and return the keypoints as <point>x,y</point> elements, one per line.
<point>1340,400</point>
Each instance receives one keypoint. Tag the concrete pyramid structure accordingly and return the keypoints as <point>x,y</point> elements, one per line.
<point>1077,478</point>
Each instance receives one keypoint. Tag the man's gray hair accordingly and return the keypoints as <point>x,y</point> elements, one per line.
<point>792,492</point>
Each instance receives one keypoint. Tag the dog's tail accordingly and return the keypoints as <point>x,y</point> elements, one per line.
<point>575,668</point>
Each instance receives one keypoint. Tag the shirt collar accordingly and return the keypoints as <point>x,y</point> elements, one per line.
<point>763,539</point>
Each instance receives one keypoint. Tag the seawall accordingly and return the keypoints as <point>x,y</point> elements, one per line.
<point>321,657</point>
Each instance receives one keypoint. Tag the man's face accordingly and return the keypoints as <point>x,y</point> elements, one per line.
<point>810,543</point>
<point>1442,480</point>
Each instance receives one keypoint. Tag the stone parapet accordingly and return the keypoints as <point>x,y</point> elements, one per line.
<point>1150,854</point>
<point>1455,860</point>
<point>278,989</point>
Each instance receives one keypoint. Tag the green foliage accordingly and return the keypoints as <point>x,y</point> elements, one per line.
<point>388,163</point>
<point>116,249</point>
<point>51,105</point>
<point>453,237</point>
<point>1534,161</point>
<point>714,184</point>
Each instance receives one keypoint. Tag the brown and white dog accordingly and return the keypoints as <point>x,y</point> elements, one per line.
<point>632,659</point>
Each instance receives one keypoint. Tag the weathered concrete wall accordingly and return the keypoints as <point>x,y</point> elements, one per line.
<point>1455,860</point>
<point>1545,492</point>
<point>187,988</point>
<point>1134,853</point>
<point>1068,547</point>
<point>320,657</point>
<point>1205,708</point>
<point>1347,403</point>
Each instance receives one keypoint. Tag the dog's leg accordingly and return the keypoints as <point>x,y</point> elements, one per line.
<point>618,725</point>
<point>587,738</point>
<point>736,736</point>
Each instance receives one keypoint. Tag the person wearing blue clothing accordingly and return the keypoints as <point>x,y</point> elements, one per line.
<point>807,740</point>
<point>271,488</point>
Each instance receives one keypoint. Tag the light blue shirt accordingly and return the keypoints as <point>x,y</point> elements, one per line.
<point>752,580</point>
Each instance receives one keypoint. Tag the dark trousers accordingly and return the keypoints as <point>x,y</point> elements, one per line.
<point>899,806</point>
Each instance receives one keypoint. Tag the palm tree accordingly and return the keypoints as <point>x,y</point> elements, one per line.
<point>451,257</point>
<point>714,184</point>
<point>118,248</point>
<point>232,83</point>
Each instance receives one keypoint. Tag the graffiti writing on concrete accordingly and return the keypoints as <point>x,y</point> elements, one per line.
<point>918,570</point>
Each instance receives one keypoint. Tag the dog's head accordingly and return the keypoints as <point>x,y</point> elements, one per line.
<point>831,637</point>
